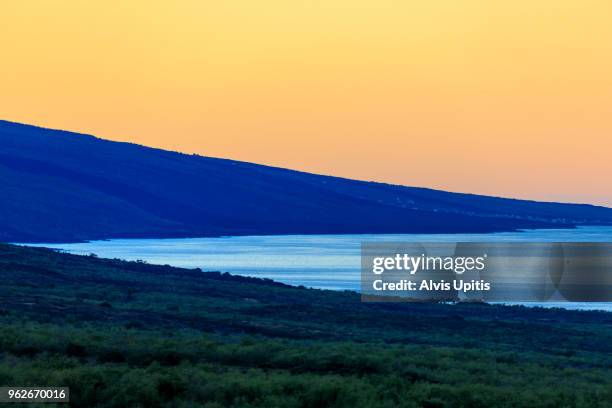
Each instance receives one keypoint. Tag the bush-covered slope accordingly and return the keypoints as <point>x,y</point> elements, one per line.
<point>127,334</point>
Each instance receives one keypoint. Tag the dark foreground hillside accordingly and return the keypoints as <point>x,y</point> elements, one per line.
<point>127,334</point>
<point>58,186</point>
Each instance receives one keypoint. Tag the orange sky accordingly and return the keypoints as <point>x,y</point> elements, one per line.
<point>508,98</point>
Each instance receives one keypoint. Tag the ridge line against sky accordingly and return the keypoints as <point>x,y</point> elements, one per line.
<point>101,138</point>
<point>509,99</point>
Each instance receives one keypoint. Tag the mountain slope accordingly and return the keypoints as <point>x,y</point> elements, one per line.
<point>63,186</point>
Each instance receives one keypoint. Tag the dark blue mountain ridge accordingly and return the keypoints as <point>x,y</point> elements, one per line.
<point>59,186</point>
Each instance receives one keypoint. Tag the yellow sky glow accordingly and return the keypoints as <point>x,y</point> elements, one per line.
<point>503,98</point>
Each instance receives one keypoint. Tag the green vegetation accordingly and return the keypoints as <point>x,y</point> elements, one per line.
<point>124,334</point>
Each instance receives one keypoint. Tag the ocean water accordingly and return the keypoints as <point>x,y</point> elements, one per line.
<point>317,261</point>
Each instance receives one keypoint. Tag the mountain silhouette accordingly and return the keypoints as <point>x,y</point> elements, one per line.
<point>59,186</point>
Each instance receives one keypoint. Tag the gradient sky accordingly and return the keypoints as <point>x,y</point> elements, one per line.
<point>510,98</point>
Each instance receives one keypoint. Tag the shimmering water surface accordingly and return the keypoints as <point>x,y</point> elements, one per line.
<point>318,261</point>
